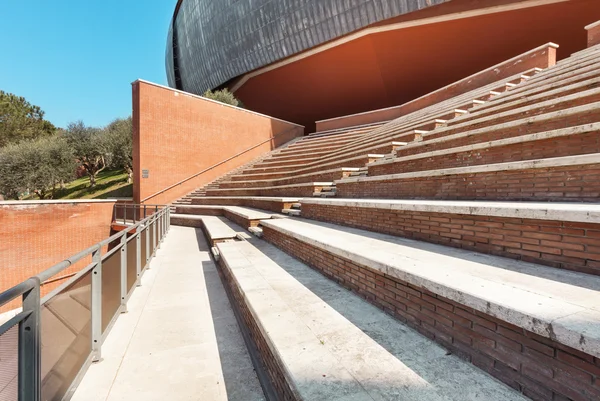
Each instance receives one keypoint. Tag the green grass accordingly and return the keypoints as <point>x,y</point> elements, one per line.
<point>109,184</point>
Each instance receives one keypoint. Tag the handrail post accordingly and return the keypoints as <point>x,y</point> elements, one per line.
<point>138,256</point>
<point>124,214</point>
<point>134,213</point>
<point>29,363</point>
<point>97,305</point>
<point>154,241</point>
<point>124,273</point>
<point>147,228</point>
<point>158,229</point>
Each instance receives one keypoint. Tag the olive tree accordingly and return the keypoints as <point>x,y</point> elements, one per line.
<point>90,148</point>
<point>37,166</point>
<point>119,142</point>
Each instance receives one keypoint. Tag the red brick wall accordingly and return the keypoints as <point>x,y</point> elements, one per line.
<point>37,235</point>
<point>542,57</point>
<point>560,244</point>
<point>540,368</point>
<point>177,135</point>
<point>560,184</point>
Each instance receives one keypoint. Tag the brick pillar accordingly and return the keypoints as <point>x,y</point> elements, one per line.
<point>593,34</point>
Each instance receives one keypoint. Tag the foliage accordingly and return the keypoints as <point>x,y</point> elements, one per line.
<point>38,166</point>
<point>119,142</point>
<point>20,120</point>
<point>90,148</point>
<point>223,96</point>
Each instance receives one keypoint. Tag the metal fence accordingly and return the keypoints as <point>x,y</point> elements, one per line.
<point>47,346</point>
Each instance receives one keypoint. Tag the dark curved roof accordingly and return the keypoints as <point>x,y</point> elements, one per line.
<point>212,41</point>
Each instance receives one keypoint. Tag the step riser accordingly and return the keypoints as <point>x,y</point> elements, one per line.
<point>585,117</point>
<point>563,245</point>
<point>277,163</point>
<point>304,191</point>
<point>273,206</point>
<point>558,184</point>
<point>273,366</point>
<point>286,171</point>
<point>312,178</point>
<point>491,344</point>
<point>553,147</point>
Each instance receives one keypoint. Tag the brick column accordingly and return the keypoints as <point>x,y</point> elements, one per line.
<point>593,34</point>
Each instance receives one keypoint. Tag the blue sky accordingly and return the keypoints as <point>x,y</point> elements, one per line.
<point>76,59</point>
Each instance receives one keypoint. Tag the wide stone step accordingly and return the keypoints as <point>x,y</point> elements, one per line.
<point>250,180</point>
<point>560,235</point>
<point>273,204</point>
<point>570,141</point>
<point>521,322</point>
<point>580,84</point>
<point>217,229</point>
<point>321,342</point>
<point>243,216</point>
<point>303,189</point>
<point>571,178</point>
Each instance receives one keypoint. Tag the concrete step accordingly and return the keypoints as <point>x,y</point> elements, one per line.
<point>579,140</point>
<point>302,189</point>
<point>370,126</point>
<point>243,216</point>
<point>272,204</point>
<point>500,314</point>
<point>547,101</point>
<point>560,179</point>
<point>573,117</point>
<point>291,212</point>
<point>560,235</point>
<point>324,343</point>
<point>253,180</point>
<point>549,80</point>
<point>217,229</point>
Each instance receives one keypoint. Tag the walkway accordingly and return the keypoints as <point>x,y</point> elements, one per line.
<point>179,340</point>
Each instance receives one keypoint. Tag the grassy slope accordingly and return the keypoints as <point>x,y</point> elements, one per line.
<point>109,184</point>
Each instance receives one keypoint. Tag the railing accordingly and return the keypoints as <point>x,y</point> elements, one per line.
<point>126,213</point>
<point>47,346</point>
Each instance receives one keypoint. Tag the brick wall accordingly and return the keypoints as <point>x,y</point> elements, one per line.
<point>560,244</point>
<point>541,57</point>
<point>570,145</point>
<point>271,365</point>
<point>37,235</point>
<point>540,368</point>
<point>177,135</point>
<point>579,183</point>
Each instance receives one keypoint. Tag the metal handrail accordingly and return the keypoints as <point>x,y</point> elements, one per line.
<point>216,165</point>
<point>28,319</point>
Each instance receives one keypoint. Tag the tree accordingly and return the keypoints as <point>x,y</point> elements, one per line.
<point>223,96</point>
<point>90,148</point>
<point>38,166</point>
<point>119,139</point>
<point>20,120</point>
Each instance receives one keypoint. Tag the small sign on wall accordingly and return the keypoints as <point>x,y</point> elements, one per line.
<point>145,173</point>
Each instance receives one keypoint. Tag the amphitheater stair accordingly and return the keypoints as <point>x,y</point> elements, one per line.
<point>319,341</point>
<point>515,316</point>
